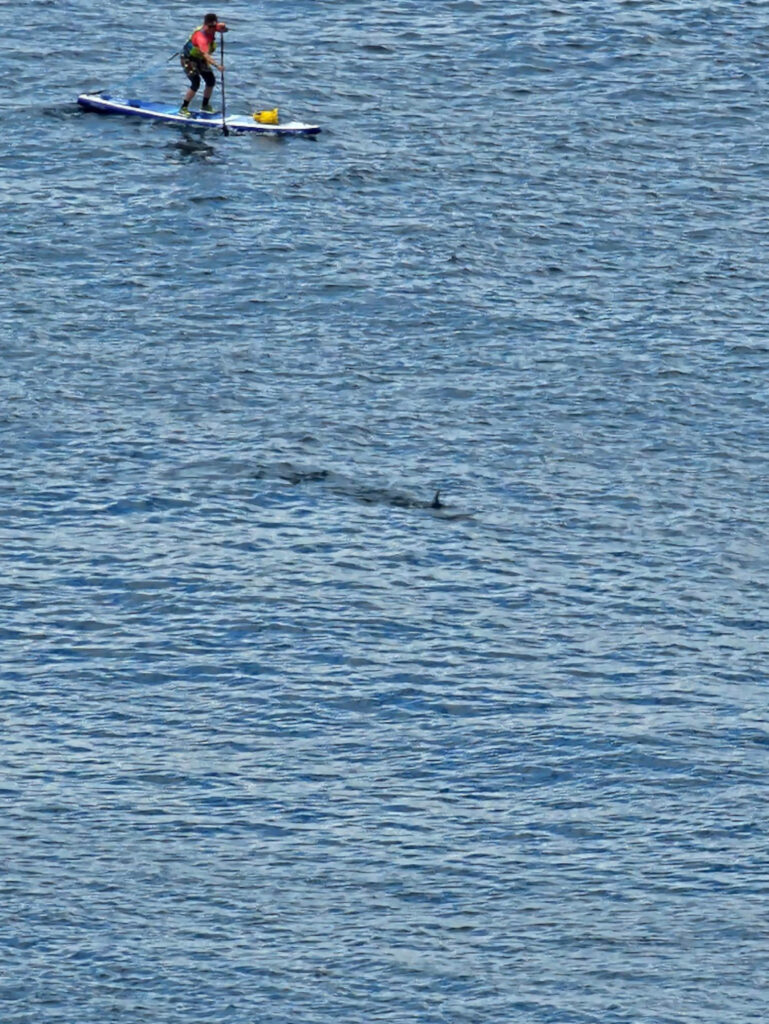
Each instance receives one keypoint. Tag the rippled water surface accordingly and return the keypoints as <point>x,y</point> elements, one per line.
<point>286,738</point>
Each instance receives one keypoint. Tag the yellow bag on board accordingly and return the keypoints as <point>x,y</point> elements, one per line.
<point>266,116</point>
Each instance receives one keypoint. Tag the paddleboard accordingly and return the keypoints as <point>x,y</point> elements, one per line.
<point>103,103</point>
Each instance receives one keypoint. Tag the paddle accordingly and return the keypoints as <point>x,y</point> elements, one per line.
<point>225,129</point>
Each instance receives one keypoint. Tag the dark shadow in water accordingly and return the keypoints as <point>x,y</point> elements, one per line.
<point>61,111</point>
<point>339,484</point>
<point>189,147</point>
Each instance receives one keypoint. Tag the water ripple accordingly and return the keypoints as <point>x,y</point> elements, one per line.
<point>285,737</point>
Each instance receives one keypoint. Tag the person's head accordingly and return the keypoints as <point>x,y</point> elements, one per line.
<point>210,19</point>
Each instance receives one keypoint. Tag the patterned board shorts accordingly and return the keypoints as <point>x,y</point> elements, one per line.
<point>195,70</point>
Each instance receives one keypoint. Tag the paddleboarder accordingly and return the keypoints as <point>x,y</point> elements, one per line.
<point>197,60</point>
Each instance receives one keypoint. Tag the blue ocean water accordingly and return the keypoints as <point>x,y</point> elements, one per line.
<point>282,742</point>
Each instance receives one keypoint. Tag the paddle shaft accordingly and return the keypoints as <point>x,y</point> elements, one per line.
<point>225,129</point>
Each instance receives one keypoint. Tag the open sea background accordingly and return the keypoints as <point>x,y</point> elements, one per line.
<point>282,743</point>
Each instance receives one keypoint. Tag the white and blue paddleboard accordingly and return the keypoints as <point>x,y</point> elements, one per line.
<point>103,103</point>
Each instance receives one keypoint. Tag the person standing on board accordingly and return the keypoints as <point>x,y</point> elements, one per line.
<point>197,60</point>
